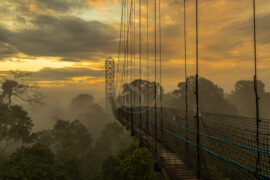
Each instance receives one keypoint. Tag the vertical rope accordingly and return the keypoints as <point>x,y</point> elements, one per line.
<point>120,43</point>
<point>125,46</point>
<point>140,39</point>
<point>127,59</point>
<point>134,62</point>
<point>124,64</point>
<point>256,91</point>
<point>131,98</point>
<point>160,70</point>
<point>131,72</point>
<point>197,95</point>
<point>147,61</point>
<point>186,80</point>
<point>155,47</point>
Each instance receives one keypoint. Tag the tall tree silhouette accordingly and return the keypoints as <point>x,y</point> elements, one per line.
<point>15,87</point>
<point>140,89</point>
<point>211,97</point>
<point>15,126</point>
<point>244,98</point>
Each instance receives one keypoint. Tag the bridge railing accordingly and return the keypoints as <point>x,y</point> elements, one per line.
<point>227,143</point>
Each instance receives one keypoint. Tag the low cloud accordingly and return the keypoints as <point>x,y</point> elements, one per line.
<point>63,74</point>
<point>62,5</point>
<point>67,37</point>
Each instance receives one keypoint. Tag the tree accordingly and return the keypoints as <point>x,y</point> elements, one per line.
<point>133,163</point>
<point>84,108</point>
<point>140,89</point>
<point>15,125</point>
<point>244,98</point>
<point>113,139</point>
<point>211,97</point>
<point>36,162</point>
<point>82,103</point>
<point>72,137</point>
<point>67,138</point>
<point>71,142</point>
<point>15,87</point>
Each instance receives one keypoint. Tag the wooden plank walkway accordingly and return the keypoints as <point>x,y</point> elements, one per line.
<point>175,168</point>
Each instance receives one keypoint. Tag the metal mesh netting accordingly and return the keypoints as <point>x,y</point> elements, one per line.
<point>227,146</point>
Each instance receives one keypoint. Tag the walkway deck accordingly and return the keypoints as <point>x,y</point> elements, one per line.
<point>175,168</point>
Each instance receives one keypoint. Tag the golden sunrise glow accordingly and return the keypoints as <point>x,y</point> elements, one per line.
<point>32,65</point>
<point>91,65</point>
<point>82,36</point>
<point>32,7</point>
<point>86,80</point>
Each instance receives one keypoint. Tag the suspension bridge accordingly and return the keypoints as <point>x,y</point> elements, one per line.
<point>187,144</point>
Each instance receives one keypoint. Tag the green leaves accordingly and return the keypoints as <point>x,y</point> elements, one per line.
<point>211,97</point>
<point>133,163</point>
<point>15,124</point>
<point>72,136</point>
<point>244,98</point>
<point>36,162</point>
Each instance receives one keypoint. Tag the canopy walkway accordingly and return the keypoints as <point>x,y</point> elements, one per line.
<point>227,147</point>
<point>186,144</point>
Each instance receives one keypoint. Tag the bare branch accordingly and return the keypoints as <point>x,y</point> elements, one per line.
<point>16,86</point>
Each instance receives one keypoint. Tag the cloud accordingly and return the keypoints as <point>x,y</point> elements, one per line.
<point>64,74</point>
<point>263,27</point>
<point>58,28</point>
<point>67,37</point>
<point>6,50</point>
<point>62,5</point>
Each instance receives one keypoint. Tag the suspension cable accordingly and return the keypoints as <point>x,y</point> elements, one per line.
<point>160,69</point>
<point>123,39</point>
<point>124,51</point>
<point>147,61</point>
<point>129,21</point>
<point>186,80</point>
<point>256,91</point>
<point>129,34</point>
<point>134,62</point>
<point>126,58</point>
<point>127,46</point>
<point>155,47</point>
<point>128,64</point>
<point>140,39</point>
<point>197,94</point>
<point>131,69</point>
<point>119,45</point>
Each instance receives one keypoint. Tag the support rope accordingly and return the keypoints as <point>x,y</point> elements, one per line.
<point>155,47</point>
<point>186,80</point>
<point>124,45</point>
<point>128,34</point>
<point>256,91</point>
<point>132,71</point>
<point>160,67</point>
<point>140,39</point>
<point>125,53</point>
<point>134,62</point>
<point>119,45</point>
<point>147,60</point>
<point>197,95</point>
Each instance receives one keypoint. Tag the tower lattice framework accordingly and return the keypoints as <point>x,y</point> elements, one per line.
<point>109,80</point>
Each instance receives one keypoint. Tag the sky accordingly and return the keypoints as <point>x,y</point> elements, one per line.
<point>64,43</point>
